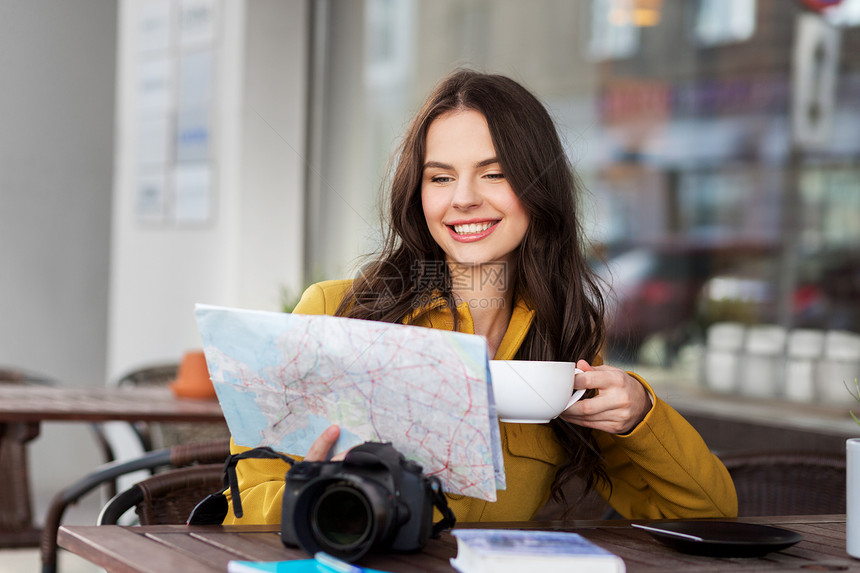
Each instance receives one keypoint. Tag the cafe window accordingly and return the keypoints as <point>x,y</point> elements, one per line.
<point>831,209</point>
<point>700,206</point>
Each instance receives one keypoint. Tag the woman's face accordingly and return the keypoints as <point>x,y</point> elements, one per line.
<point>470,208</point>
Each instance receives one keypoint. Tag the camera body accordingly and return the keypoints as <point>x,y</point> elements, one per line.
<point>374,499</point>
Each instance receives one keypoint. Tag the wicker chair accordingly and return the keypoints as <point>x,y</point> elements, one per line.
<point>17,376</point>
<point>202,455</point>
<point>157,435</point>
<point>167,497</point>
<point>166,435</point>
<point>787,483</point>
<point>151,376</point>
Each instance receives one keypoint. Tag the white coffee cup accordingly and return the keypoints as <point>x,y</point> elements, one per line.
<point>532,391</point>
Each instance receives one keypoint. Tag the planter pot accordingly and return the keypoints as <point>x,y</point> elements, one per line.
<point>852,497</point>
<point>192,380</point>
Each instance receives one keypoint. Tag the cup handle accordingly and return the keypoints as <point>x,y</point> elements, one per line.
<point>577,394</point>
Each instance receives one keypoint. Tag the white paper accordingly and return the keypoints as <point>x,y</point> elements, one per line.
<point>154,25</point>
<point>198,21</point>
<point>193,134</point>
<point>192,193</point>
<point>196,72</point>
<point>153,140</point>
<point>151,197</point>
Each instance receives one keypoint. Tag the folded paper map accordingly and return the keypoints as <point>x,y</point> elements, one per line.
<point>282,379</point>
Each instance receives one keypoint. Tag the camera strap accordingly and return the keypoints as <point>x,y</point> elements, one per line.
<point>232,482</point>
<point>213,508</point>
<point>448,520</point>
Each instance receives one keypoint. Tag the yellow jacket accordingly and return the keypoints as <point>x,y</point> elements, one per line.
<point>661,469</point>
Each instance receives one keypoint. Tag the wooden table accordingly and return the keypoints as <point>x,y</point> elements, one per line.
<point>208,549</point>
<point>24,408</point>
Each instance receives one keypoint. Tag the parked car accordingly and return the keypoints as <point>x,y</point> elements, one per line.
<point>651,291</point>
<point>656,290</point>
<point>825,292</point>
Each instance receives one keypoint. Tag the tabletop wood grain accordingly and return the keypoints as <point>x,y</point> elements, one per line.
<point>99,403</point>
<point>155,549</point>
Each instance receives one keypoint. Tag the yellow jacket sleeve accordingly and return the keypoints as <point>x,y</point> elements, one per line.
<point>663,469</point>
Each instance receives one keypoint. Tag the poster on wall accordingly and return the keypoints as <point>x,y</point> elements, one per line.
<point>177,59</point>
<point>193,126</point>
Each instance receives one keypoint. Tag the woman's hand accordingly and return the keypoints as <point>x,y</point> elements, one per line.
<point>620,404</point>
<point>318,452</point>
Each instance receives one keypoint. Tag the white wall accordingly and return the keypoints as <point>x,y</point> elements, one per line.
<point>57,82</point>
<point>274,116</point>
<point>343,219</point>
<point>56,112</point>
<point>253,244</point>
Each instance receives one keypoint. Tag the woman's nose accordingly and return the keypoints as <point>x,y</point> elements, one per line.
<point>465,195</point>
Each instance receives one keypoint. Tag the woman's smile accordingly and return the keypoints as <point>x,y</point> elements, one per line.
<point>468,232</point>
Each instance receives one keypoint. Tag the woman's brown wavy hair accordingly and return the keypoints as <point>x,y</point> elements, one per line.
<point>552,274</point>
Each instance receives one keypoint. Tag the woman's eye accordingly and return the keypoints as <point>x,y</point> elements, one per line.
<point>495,176</point>
<point>441,179</point>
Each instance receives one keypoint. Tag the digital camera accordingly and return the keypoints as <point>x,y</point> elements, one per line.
<point>374,499</point>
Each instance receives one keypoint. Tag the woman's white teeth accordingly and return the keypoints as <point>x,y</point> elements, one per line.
<point>472,228</point>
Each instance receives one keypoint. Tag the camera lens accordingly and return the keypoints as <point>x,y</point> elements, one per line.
<point>345,516</point>
<point>342,518</point>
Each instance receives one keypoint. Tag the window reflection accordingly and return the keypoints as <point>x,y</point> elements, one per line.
<point>721,237</point>
<point>614,33</point>
<point>724,21</point>
<point>846,13</point>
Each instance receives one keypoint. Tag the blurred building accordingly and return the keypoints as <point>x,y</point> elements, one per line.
<point>715,140</point>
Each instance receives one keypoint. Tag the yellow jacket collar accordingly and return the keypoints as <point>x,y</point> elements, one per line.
<point>434,314</point>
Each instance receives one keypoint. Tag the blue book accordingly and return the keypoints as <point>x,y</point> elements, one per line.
<point>296,566</point>
<point>515,551</point>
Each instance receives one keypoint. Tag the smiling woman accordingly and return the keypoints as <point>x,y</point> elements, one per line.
<point>471,210</point>
<point>484,238</point>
